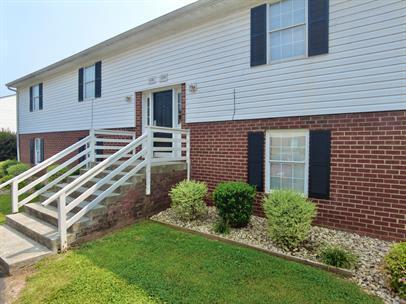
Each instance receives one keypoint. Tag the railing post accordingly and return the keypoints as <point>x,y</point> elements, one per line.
<point>149,156</point>
<point>188,153</point>
<point>62,222</point>
<point>134,138</point>
<point>92,146</point>
<point>14,196</point>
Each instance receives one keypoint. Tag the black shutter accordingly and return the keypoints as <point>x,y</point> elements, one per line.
<point>32,151</point>
<point>256,159</point>
<point>42,150</point>
<point>80,86</point>
<point>319,164</point>
<point>40,96</point>
<point>318,27</point>
<point>98,76</point>
<point>31,100</point>
<point>258,35</point>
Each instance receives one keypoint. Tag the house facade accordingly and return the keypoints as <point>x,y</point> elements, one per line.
<point>8,113</point>
<point>302,94</point>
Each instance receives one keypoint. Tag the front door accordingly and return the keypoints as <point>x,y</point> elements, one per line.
<point>163,115</point>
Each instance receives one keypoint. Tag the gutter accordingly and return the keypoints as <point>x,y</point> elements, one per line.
<point>17,121</point>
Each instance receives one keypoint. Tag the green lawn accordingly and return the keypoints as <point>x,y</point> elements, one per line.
<point>5,207</point>
<point>150,263</point>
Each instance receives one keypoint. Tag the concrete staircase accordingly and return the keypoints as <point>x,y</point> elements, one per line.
<point>31,235</point>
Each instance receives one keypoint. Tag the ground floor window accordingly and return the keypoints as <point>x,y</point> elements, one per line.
<point>38,150</point>
<point>287,160</point>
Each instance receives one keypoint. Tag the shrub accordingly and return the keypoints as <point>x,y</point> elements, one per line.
<point>8,145</point>
<point>337,257</point>
<point>395,264</point>
<point>5,179</point>
<point>234,202</point>
<point>188,199</point>
<point>4,166</point>
<point>57,174</point>
<point>17,169</point>
<point>290,216</point>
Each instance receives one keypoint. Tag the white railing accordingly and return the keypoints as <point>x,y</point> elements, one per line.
<point>39,173</point>
<point>156,146</point>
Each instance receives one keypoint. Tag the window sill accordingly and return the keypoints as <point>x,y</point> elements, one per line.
<point>272,62</point>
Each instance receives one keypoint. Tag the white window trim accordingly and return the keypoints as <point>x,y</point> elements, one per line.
<point>37,150</point>
<point>84,82</point>
<point>268,135</point>
<point>269,31</point>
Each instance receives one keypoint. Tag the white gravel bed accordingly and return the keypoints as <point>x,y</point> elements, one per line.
<point>368,273</point>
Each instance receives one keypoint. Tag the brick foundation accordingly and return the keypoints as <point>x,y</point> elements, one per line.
<point>368,166</point>
<point>134,205</point>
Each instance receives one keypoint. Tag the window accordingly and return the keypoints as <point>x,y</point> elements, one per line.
<point>287,29</point>
<point>38,150</point>
<point>35,97</point>
<point>90,81</point>
<point>287,160</point>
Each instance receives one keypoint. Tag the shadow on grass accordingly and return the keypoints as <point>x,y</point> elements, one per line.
<point>149,263</point>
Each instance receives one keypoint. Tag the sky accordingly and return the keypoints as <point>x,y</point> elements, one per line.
<point>36,33</point>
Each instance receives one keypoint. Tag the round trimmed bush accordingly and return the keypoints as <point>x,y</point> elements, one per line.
<point>290,216</point>
<point>337,257</point>
<point>395,264</point>
<point>187,199</point>
<point>234,201</point>
<point>17,169</point>
<point>4,166</point>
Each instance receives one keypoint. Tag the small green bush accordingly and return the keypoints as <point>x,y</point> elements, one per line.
<point>234,201</point>
<point>4,166</point>
<point>17,169</point>
<point>5,179</point>
<point>57,174</point>
<point>290,216</point>
<point>395,264</point>
<point>188,199</point>
<point>337,257</point>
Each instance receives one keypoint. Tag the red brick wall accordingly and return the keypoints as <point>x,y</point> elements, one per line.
<point>54,142</point>
<point>368,166</point>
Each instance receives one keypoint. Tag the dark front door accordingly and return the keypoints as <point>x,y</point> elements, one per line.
<point>163,116</point>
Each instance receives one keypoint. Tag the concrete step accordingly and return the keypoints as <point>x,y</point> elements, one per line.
<point>40,231</point>
<point>80,190</point>
<point>96,209</point>
<point>94,180</point>
<point>49,214</point>
<point>18,251</point>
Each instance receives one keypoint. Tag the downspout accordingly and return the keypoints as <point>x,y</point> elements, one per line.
<point>17,122</point>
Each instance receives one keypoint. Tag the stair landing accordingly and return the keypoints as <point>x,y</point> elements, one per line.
<point>18,251</point>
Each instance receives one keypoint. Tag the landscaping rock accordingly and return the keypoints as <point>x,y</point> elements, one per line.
<point>368,272</point>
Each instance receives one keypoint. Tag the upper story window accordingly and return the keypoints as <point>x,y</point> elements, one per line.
<point>287,29</point>
<point>89,84</point>
<point>90,81</point>
<point>36,103</point>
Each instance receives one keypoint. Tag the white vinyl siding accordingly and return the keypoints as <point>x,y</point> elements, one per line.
<point>363,72</point>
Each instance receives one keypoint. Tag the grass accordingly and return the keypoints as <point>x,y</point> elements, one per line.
<point>5,207</point>
<point>150,263</point>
